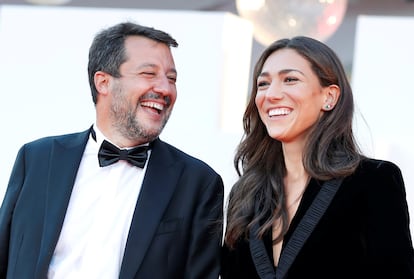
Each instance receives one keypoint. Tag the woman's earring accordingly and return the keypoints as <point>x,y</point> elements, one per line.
<point>327,106</point>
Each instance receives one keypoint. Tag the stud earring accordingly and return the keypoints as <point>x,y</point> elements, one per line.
<point>328,106</point>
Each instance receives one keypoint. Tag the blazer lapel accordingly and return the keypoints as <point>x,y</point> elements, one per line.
<point>66,154</point>
<point>157,188</point>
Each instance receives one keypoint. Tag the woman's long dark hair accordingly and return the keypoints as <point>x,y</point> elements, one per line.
<point>331,150</point>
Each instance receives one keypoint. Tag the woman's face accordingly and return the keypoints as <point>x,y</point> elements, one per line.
<point>289,97</point>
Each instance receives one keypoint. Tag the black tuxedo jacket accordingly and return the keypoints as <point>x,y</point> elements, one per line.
<point>176,228</point>
<point>363,234</point>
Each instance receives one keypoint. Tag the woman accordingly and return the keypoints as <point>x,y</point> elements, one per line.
<point>298,135</point>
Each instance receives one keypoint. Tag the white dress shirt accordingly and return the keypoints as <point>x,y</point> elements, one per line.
<point>95,230</point>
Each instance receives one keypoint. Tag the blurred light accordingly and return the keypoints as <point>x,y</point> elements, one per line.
<point>276,19</point>
<point>251,5</point>
<point>48,2</point>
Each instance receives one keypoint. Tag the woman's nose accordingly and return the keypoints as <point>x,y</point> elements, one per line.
<point>274,91</point>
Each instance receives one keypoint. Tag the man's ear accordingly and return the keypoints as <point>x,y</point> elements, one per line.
<point>332,93</point>
<point>102,82</point>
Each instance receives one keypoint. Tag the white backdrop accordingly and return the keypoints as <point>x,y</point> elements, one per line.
<point>44,88</point>
<point>382,80</point>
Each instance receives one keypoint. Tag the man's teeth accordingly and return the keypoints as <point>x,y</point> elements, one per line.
<point>153,105</point>
<point>279,111</point>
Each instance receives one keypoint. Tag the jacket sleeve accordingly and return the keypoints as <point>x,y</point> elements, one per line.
<point>206,237</point>
<point>387,233</point>
<point>7,208</point>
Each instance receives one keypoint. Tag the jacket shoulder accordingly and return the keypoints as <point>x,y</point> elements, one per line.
<point>185,158</point>
<point>375,168</point>
<point>47,140</point>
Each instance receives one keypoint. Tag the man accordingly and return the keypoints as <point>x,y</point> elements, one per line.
<point>77,206</point>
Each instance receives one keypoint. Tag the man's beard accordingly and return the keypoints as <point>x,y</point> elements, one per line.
<point>131,128</point>
<point>127,124</point>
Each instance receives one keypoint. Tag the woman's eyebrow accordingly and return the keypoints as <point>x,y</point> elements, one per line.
<point>281,72</point>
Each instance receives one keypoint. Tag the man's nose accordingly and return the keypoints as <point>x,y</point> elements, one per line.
<point>164,86</point>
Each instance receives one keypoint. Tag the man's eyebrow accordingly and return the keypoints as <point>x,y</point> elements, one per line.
<point>147,65</point>
<point>151,65</point>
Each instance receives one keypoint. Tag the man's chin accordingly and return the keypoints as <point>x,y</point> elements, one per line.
<point>151,135</point>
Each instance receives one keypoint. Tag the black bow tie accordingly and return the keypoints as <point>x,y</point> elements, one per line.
<point>109,154</point>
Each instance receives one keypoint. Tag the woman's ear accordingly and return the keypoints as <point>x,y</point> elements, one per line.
<point>332,93</point>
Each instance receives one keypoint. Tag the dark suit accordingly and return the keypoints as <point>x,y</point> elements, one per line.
<point>176,227</point>
<point>364,233</point>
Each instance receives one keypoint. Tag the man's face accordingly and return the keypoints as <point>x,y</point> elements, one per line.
<point>144,96</point>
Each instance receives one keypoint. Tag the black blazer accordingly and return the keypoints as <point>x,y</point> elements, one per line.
<point>174,232</point>
<point>364,233</point>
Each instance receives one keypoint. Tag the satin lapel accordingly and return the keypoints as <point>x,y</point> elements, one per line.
<point>66,154</point>
<point>157,188</point>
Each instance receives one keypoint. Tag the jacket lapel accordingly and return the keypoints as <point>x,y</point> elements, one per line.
<point>65,156</point>
<point>157,188</point>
